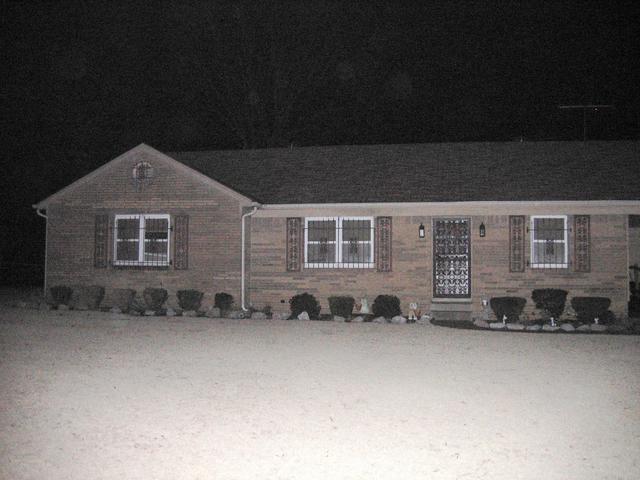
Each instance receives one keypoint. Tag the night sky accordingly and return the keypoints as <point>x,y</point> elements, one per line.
<point>85,81</point>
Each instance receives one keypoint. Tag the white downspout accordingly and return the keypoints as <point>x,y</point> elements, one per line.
<point>46,241</point>
<point>242,266</point>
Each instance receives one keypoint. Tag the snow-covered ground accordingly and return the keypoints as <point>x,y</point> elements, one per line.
<point>86,395</point>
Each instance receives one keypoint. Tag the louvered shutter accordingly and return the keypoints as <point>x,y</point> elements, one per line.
<point>383,244</point>
<point>516,243</point>
<point>101,242</point>
<point>582,243</point>
<point>294,244</point>
<point>181,251</point>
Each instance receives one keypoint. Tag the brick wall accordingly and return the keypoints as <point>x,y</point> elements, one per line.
<point>214,231</point>
<point>411,278</point>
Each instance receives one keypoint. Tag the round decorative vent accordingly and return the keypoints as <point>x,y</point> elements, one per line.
<point>143,171</point>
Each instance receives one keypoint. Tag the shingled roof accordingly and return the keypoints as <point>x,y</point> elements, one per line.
<point>433,172</point>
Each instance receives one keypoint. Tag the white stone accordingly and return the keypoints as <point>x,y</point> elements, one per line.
<point>213,312</point>
<point>584,328</point>
<point>235,314</point>
<point>62,306</point>
<point>149,313</point>
<point>258,316</point>
<point>596,327</point>
<point>379,320</point>
<point>303,316</point>
<point>533,328</point>
<point>515,326</point>
<point>115,310</point>
<point>358,319</point>
<point>170,312</point>
<point>481,323</point>
<point>497,326</point>
<point>398,320</point>
<point>44,306</point>
<point>279,316</point>
<point>550,328</point>
<point>338,318</point>
<point>567,327</point>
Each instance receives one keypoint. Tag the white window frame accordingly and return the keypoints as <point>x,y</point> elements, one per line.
<point>565,240</point>
<point>141,239</point>
<point>338,260</point>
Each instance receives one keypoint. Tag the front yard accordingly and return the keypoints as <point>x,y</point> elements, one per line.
<point>99,395</point>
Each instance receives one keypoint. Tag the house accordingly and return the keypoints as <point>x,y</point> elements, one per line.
<point>446,225</point>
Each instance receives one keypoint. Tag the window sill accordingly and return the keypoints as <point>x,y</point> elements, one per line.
<point>350,266</point>
<point>139,266</point>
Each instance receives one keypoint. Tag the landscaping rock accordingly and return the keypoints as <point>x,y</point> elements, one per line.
<point>279,316</point>
<point>258,316</point>
<point>115,310</point>
<point>533,328</point>
<point>548,328</point>
<point>481,323</point>
<point>379,320</point>
<point>338,318</point>
<point>567,327</point>
<point>44,306</point>
<point>236,314</point>
<point>616,328</point>
<point>22,304</point>
<point>584,328</point>
<point>303,316</point>
<point>170,312</point>
<point>424,319</point>
<point>189,313</point>
<point>149,313</point>
<point>213,312</point>
<point>62,306</point>
<point>515,326</point>
<point>399,320</point>
<point>596,327</point>
<point>497,326</point>
<point>358,319</point>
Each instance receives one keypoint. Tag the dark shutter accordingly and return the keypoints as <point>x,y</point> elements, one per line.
<point>101,243</point>
<point>582,243</point>
<point>516,243</point>
<point>294,244</point>
<point>181,255</point>
<point>383,244</point>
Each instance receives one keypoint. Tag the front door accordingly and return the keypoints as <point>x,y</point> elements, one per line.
<point>451,258</point>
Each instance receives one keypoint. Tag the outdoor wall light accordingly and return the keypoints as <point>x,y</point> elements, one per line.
<point>483,230</point>
<point>421,231</point>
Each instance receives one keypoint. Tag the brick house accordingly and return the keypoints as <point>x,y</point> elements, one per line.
<point>445,225</point>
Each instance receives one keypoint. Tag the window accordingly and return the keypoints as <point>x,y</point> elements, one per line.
<point>141,240</point>
<point>338,242</point>
<point>549,247</point>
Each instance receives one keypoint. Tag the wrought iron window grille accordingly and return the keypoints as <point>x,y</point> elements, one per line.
<point>141,240</point>
<point>549,237</point>
<point>339,242</point>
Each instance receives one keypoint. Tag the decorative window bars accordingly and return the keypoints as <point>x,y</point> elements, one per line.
<point>339,242</point>
<point>549,242</point>
<point>141,240</point>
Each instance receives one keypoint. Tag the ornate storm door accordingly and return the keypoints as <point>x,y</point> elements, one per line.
<point>451,258</point>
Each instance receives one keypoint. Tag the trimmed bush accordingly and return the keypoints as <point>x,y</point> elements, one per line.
<point>189,299</point>
<point>387,306</point>
<point>60,294</point>
<point>510,306</point>
<point>304,302</point>
<point>550,299</point>
<point>588,308</point>
<point>154,298</point>
<point>86,297</point>
<point>223,301</point>
<point>341,306</point>
<point>123,298</point>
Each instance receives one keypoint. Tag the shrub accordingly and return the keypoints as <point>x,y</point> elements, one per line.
<point>154,298</point>
<point>123,298</point>
<point>223,301</point>
<point>87,297</point>
<point>588,308</point>
<point>387,306</point>
<point>60,294</point>
<point>341,306</point>
<point>189,299</point>
<point>304,302</point>
<point>550,299</point>
<point>510,306</point>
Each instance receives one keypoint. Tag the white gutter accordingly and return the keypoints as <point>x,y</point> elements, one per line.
<point>242,266</point>
<point>46,234</point>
